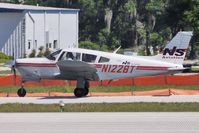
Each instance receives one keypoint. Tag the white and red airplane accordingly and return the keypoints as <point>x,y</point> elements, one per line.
<point>85,65</point>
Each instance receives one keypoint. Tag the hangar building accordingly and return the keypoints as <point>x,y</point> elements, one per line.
<point>24,28</point>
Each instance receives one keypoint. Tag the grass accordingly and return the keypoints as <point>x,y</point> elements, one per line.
<point>69,89</point>
<point>6,72</point>
<point>195,69</point>
<point>4,60</point>
<point>103,107</point>
<point>139,88</point>
<point>36,89</point>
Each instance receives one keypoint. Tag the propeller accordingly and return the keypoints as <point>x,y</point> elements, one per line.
<point>12,65</point>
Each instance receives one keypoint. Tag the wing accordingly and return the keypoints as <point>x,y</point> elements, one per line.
<point>72,70</point>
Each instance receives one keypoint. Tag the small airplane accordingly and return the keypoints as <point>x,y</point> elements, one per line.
<point>85,65</point>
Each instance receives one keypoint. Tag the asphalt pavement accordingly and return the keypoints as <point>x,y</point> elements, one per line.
<point>99,122</point>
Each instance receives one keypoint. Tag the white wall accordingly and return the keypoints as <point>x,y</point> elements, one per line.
<point>11,40</point>
<point>61,26</point>
<point>50,26</point>
<point>34,30</point>
<point>69,30</point>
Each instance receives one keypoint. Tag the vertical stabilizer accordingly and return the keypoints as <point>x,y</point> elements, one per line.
<point>176,49</point>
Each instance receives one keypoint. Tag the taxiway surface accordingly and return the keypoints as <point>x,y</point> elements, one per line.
<point>99,122</point>
<point>113,99</point>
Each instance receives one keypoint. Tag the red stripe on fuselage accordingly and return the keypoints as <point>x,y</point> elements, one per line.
<point>36,64</point>
<point>151,68</point>
<point>109,67</point>
<point>98,65</point>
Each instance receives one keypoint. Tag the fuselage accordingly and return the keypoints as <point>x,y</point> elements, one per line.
<point>85,65</point>
<point>108,65</point>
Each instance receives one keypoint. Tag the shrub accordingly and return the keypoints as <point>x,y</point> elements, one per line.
<point>92,45</point>
<point>89,45</point>
<point>40,54</point>
<point>33,53</point>
<point>46,52</point>
<point>4,56</point>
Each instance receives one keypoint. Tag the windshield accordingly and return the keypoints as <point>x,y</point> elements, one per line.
<point>54,55</point>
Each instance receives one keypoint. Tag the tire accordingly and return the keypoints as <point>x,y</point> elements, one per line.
<point>86,86</point>
<point>21,92</point>
<point>79,92</point>
<point>86,91</point>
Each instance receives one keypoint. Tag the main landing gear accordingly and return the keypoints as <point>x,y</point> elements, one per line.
<point>21,91</point>
<point>82,88</point>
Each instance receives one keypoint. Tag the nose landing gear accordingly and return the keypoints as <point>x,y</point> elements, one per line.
<point>21,91</point>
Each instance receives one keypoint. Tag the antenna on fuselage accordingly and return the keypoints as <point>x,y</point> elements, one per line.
<point>116,50</point>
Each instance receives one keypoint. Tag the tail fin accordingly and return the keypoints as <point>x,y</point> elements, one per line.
<point>176,49</point>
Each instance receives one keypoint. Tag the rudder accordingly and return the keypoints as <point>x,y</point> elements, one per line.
<point>176,49</point>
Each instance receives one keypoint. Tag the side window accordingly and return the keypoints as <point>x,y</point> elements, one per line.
<point>88,58</point>
<point>103,59</point>
<point>70,56</point>
<point>77,56</point>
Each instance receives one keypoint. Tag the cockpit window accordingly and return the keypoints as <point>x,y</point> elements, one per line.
<point>103,59</point>
<point>70,56</point>
<point>54,55</point>
<point>88,58</point>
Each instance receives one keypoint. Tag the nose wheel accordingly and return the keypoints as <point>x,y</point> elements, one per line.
<point>21,92</point>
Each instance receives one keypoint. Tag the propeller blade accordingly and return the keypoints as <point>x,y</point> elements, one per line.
<point>10,63</point>
<point>15,75</point>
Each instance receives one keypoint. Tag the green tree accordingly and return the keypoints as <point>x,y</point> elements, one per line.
<point>131,23</point>
<point>88,17</point>
<point>15,1</point>
<point>156,40</point>
<point>153,9</point>
<point>191,18</point>
<point>174,14</point>
<point>131,12</point>
<point>89,45</point>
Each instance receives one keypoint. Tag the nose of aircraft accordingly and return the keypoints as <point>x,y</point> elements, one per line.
<point>12,65</point>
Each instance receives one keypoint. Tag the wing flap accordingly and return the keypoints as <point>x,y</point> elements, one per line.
<point>74,69</point>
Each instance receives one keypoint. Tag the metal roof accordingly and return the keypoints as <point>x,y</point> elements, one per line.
<point>7,7</point>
